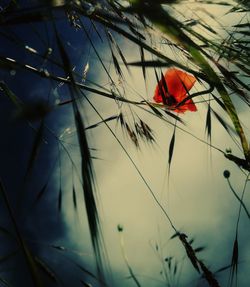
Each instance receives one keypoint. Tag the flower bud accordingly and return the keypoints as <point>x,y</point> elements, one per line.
<point>226,173</point>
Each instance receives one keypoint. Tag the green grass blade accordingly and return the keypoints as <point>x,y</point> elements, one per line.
<point>86,168</point>
<point>171,149</point>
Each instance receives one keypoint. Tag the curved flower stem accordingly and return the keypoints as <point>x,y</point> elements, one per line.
<point>241,202</point>
<point>131,272</point>
<point>238,198</point>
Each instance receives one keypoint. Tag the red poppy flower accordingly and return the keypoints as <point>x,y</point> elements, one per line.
<point>173,88</point>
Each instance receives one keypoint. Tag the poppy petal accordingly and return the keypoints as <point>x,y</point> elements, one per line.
<point>187,106</point>
<point>178,84</point>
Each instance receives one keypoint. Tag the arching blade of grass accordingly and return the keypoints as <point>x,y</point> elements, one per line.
<point>86,167</point>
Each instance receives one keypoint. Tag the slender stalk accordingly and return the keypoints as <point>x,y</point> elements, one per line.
<point>131,272</point>
<point>238,198</point>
